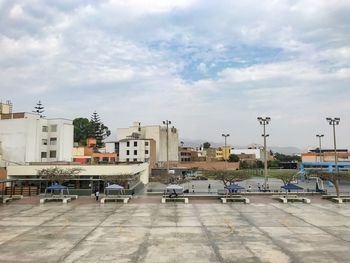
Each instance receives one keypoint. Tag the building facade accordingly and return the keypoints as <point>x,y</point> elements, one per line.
<point>159,135</point>
<point>26,137</point>
<point>137,150</point>
<point>325,156</point>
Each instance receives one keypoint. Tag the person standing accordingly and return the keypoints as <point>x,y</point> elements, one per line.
<point>209,188</point>
<point>97,194</point>
<point>193,188</point>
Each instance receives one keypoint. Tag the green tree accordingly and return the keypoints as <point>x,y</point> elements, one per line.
<point>333,176</point>
<point>273,163</point>
<point>233,158</point>
<point>286,176</point>
<point>39,109</point>
<point>206,145</point>
<point>228,177</point>
<point>287,158</point>
<point>82,130</point>
<point>98,130</point>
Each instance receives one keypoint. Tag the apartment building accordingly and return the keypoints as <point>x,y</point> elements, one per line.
<point>164,141</point>
<point>137,150</point>
<point>26,137</point>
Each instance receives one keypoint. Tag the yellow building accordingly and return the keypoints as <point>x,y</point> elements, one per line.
<point>223,153</point>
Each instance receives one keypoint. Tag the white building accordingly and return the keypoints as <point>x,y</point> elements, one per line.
<point>31,171</point>
<point>259,153</point>
<point>137,150</point>
<point>25,138</point>
<point>159,135</point>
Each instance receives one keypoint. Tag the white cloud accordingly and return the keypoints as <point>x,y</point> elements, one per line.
<point>207,65</point>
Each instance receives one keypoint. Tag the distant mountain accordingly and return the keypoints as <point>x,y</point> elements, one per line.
<point>288,150</point>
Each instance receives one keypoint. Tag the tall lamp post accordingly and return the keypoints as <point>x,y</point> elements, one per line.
<point>319,136</point>
<point>334,122</point>
<point>264,121</point>
<point>225,159</point>
<point>167,123</point>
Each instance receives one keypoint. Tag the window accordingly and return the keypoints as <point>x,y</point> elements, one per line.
<point>43,154</point>
<point>135,152</point>
<point>53,141</point>
<point>44,141</point>
<point>45,129</point>
<point>135,144</point>
<point>127,152</point>
<point>135,159</point>
<point>146,151</point>
<point>127,144</point>
<point>146,143</point>
<point>52,154</point>
<point>53,128</point>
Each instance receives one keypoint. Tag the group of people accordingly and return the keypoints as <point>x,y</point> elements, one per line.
<point>262,188</point>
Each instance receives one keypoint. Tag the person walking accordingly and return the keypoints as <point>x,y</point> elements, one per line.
<point>193,188</point>
<point>249,188</point>
<point>97,194</point>
<point>209,188</point>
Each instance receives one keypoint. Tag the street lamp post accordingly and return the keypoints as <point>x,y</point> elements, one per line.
<point>319,136</point>
<point>225,159</point>
<point>334,122</point>
<point>264,121</point>
<point>167,123</point>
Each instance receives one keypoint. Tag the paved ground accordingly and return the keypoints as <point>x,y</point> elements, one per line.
<point>151,232</point>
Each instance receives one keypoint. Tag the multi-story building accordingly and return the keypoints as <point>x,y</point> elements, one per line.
<point>26,137</point>
<point>86,155</point>
<point>137,150</point>
<point>164,141</point>
<point>185,154</point>
<point>326,155</point>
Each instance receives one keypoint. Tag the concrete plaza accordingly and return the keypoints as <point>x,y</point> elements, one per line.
<point>174,232</point>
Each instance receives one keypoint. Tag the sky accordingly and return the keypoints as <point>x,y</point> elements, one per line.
<point>211,67</point>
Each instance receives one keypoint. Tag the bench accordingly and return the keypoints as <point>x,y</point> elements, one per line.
<point>64,200</point>
<point>14,197</point>
<point>334,196</point>
<point>174,199</point>
<point>66,196</point>
<point>235,199</point>
<point>109,198</point>
<point>6,199</point>
<point>291,198</point>
<point>341,199</point>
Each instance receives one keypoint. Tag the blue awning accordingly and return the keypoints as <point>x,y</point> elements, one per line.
<point>114,187</point>
<point>57,187</point>
<point>292,187</point>
<point>234,187</point>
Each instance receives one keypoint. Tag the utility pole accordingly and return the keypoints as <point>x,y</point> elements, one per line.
<point>167,123</point>
<point>319,136</point>
<point>334,122</point>
<point>223,152</point>
<point>264,121</point>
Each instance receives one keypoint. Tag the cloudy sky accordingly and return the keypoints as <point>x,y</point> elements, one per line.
<point>211,67</point>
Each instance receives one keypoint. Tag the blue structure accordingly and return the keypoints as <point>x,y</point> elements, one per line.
<point>234,187</point>
<point>290,187</point>
<point>330,166</point>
